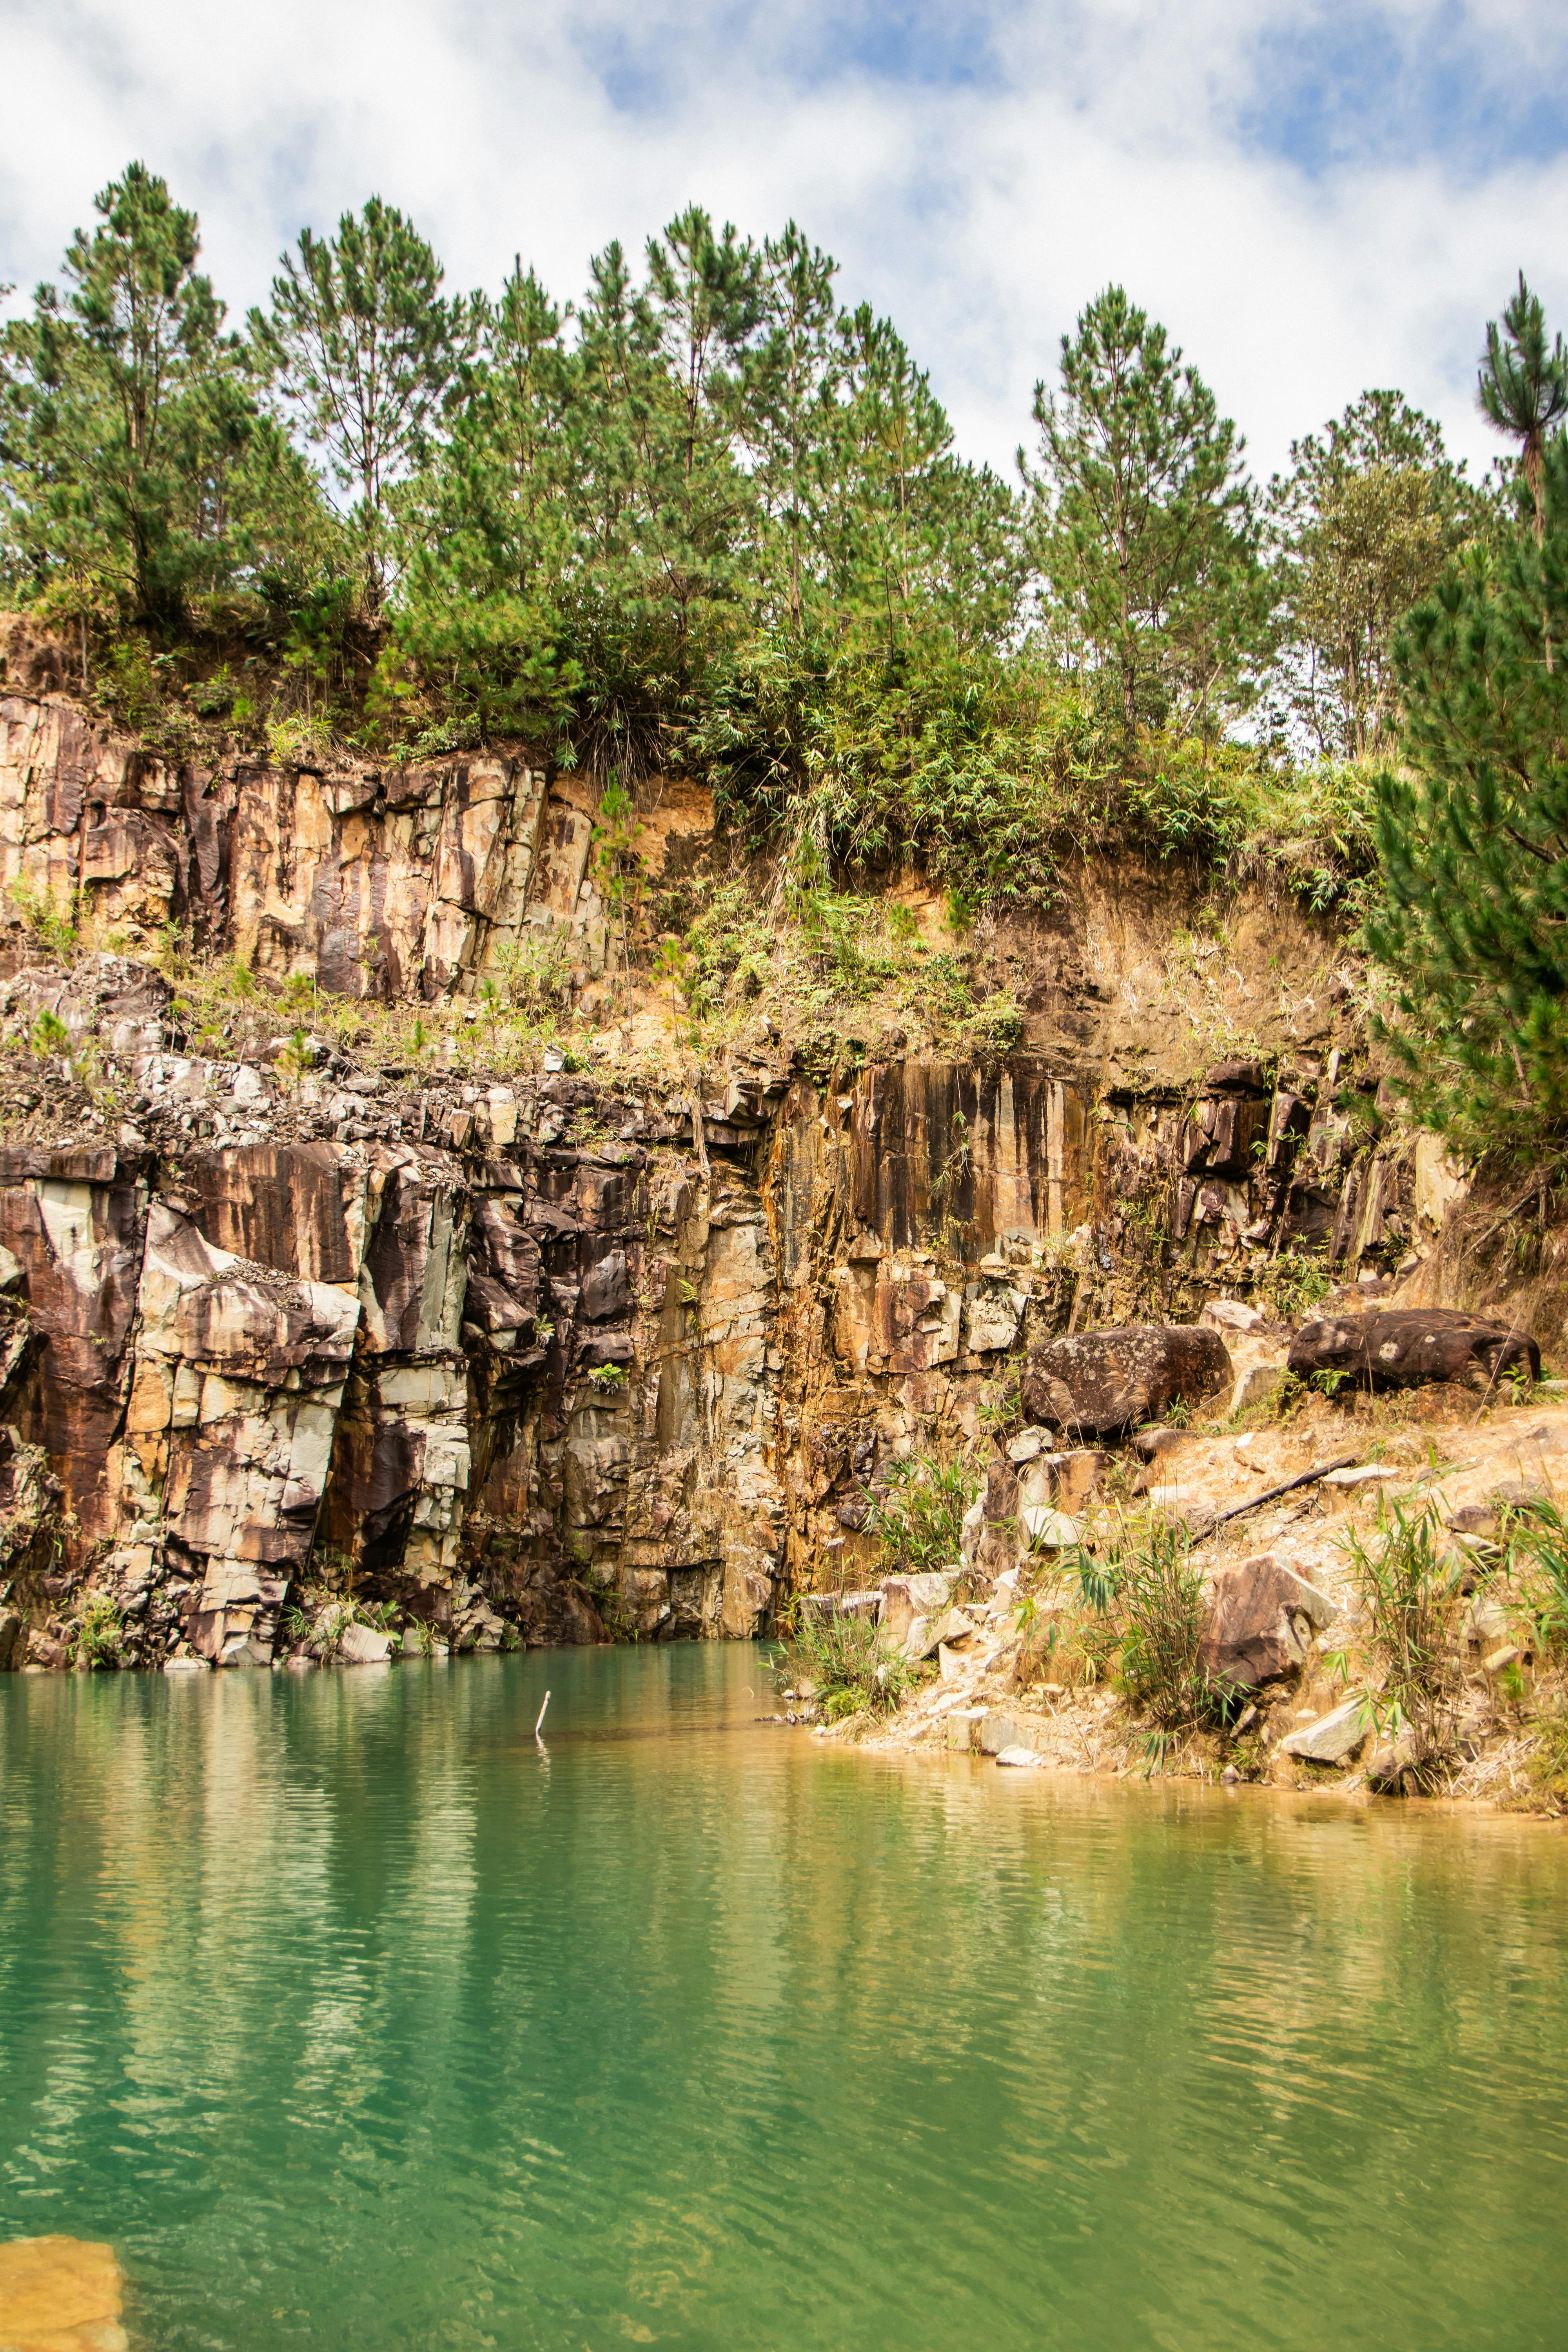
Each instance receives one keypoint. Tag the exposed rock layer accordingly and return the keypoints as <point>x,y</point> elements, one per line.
<point>550,1350</point>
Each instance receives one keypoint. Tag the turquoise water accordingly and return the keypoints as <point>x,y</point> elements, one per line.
<point>351,2017</point>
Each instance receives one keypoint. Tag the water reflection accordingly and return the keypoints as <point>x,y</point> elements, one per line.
<point>347,2011</point>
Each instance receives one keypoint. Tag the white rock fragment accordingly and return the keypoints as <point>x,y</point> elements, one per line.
<point>1333,1736</point>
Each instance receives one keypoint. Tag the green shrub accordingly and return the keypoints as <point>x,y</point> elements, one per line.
<point>99,1631</point>
<point>1147,1612</point>
<point>919,1516</point>
<point>851,1669</point>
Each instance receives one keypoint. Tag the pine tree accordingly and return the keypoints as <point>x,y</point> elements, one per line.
<point>364,347</point>
<point>794,384</point>
<point>128,414</point>
<point>1144,518</point>
<point>1524,386</point>
<point>1472,833</point>
<point>1363,524</point>
<point>487,535</point>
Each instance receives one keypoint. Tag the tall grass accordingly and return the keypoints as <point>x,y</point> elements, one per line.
<point>1145,1613</point>
<point>1413,1598</point>
<point>851,1668</point>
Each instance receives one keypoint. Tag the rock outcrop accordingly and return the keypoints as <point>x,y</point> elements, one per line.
<point>548,1352</point>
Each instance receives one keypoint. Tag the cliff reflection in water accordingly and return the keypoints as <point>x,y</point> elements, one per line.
<point>346,2013</point>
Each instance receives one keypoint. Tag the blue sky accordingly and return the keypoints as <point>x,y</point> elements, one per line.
<point>1314,198</point>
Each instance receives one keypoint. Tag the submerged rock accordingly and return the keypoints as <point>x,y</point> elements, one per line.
<point>60,2294</point>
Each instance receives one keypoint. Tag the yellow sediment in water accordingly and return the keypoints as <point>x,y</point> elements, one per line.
<point>59,2295</point>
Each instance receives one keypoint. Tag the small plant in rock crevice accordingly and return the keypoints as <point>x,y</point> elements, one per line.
<point>98,1635</point>
<point>918,1516</point>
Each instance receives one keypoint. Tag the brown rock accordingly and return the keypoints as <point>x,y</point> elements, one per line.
<point>1106,1382</point>
<point>1261,1622</point>
<point>1406,1346</point>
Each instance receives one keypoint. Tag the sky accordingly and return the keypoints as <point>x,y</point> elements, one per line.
<point>1314,199</point>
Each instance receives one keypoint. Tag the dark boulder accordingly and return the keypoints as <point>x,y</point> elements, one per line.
<point>1108,1381</point>
<point>1261,1622</point>
<point>1406,1346</point>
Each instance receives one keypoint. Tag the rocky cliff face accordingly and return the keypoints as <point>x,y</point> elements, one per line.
<point>570,1351</point>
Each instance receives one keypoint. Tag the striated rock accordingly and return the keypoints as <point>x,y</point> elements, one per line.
<point>362,1645</point>
<point>1261,1622</point>
<point>1405,1347</point>
<point>1105,1381</point>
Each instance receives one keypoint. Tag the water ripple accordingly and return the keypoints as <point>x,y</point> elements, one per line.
<point>350,2016</point>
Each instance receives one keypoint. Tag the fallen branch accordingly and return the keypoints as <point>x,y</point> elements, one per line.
<point>1272,1494</point>
<point>540,1723</point>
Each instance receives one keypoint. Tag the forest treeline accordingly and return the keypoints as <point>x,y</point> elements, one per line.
<point>706,498</point>
<point>710,512</point>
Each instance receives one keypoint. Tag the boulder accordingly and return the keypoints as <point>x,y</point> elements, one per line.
<point>997,1731</point>
<point>1024,1759</point>
<point>1261,1621</point>
<point>905,1598</point>
<point>361,1646</point>
<point>1108,1381</point>
<point>12,1642</point>
<point>1334,1738</point>
<point>1406,1346</point>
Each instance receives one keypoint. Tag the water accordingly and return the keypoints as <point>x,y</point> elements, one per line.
<point>352,2018</point>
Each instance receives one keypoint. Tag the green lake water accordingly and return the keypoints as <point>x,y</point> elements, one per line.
<point>351,2017</point>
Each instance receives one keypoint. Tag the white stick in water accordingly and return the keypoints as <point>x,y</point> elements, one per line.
<point>542,1715</point>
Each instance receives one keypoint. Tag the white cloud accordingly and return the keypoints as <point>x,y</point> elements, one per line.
<point>1121,139</point>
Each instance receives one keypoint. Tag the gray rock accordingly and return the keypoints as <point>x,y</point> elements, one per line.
<point>361,1646</point>
<point>905,1598</point>
<point>1334,1738</point>
<point>997,1731</point>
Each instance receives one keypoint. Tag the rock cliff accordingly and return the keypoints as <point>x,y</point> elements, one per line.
<point>584,1335</point>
